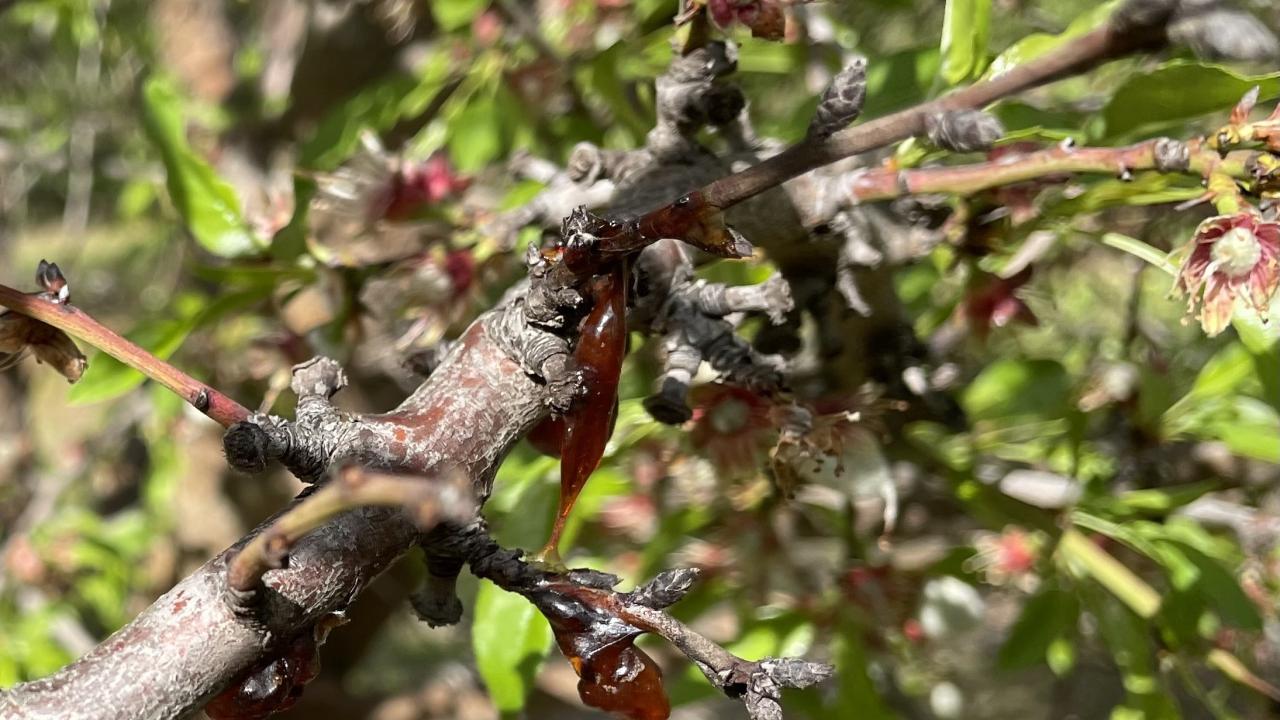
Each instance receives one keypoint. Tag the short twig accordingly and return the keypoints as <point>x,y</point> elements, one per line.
<point>429,500</point>
<point>1197,160</point>
<point>78,324</point>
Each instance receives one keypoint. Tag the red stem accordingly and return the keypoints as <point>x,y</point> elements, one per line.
<point>75,322</point>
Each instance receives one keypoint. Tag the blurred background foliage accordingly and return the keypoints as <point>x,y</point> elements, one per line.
<point>1097,538</point>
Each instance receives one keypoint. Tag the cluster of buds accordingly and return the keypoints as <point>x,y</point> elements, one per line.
<point>1239,132</point>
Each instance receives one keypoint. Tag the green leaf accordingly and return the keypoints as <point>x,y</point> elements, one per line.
<point>856,693</point>
<point>1037,44</point>
<point>1218,586</point>
<point>899,80</point>
<point>965,27</point>
<point>1161,501</point>
<point>454,14</point>
<point>1009,388</point>
<point>1175,92</point>
<point>510,639</point>
<point>208,205</point>
<point>1092,561</point>
<point>475,134</point>
<point>1045,618</point>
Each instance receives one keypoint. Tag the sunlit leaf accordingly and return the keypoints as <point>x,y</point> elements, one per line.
<point>207,204</point>
<point>1160,98</point>
<point>510,639</point>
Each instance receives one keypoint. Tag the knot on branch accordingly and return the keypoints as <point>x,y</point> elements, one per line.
<point>688,99</point>
<point>307,445</point>
<point>963,130</point>
<point>666,588</point>
<point>760,684</point>
<point>1172,155</point>
<point>436,602</point>
<point>842,101</point>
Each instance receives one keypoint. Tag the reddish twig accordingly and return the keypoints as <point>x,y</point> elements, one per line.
<point>1161,155</point>
<point>78,324</point>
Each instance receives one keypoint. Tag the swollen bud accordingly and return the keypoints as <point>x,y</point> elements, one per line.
<point>842,100</point>
<point>963,130</point>
<point>49,277</point>
<point>246,447</point>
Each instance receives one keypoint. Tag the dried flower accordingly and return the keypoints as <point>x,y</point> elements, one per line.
<point>19,333</point>
<point>732,425</point>
<point>1231,256</point>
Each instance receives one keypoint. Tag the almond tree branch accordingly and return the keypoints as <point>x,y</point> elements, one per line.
<point>78,324</point>
<point>503,376</point>
<point>1121,35</point>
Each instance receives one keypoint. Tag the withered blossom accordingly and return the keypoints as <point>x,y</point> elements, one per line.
<point>20,333</point>
<point>732,426</point>
<point>1231,256</point>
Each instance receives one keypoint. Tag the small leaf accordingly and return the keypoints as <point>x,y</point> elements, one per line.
<point>510,639</point>
<point>207,204</point>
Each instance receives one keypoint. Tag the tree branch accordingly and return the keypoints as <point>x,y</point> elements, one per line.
<point>1118,37</point>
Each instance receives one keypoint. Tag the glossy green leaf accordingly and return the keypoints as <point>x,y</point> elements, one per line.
<point>1178,91</point>
<point>1037,44</point>
<point>965,27</point>
<point>207,204</point>
<point>511,640</point>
